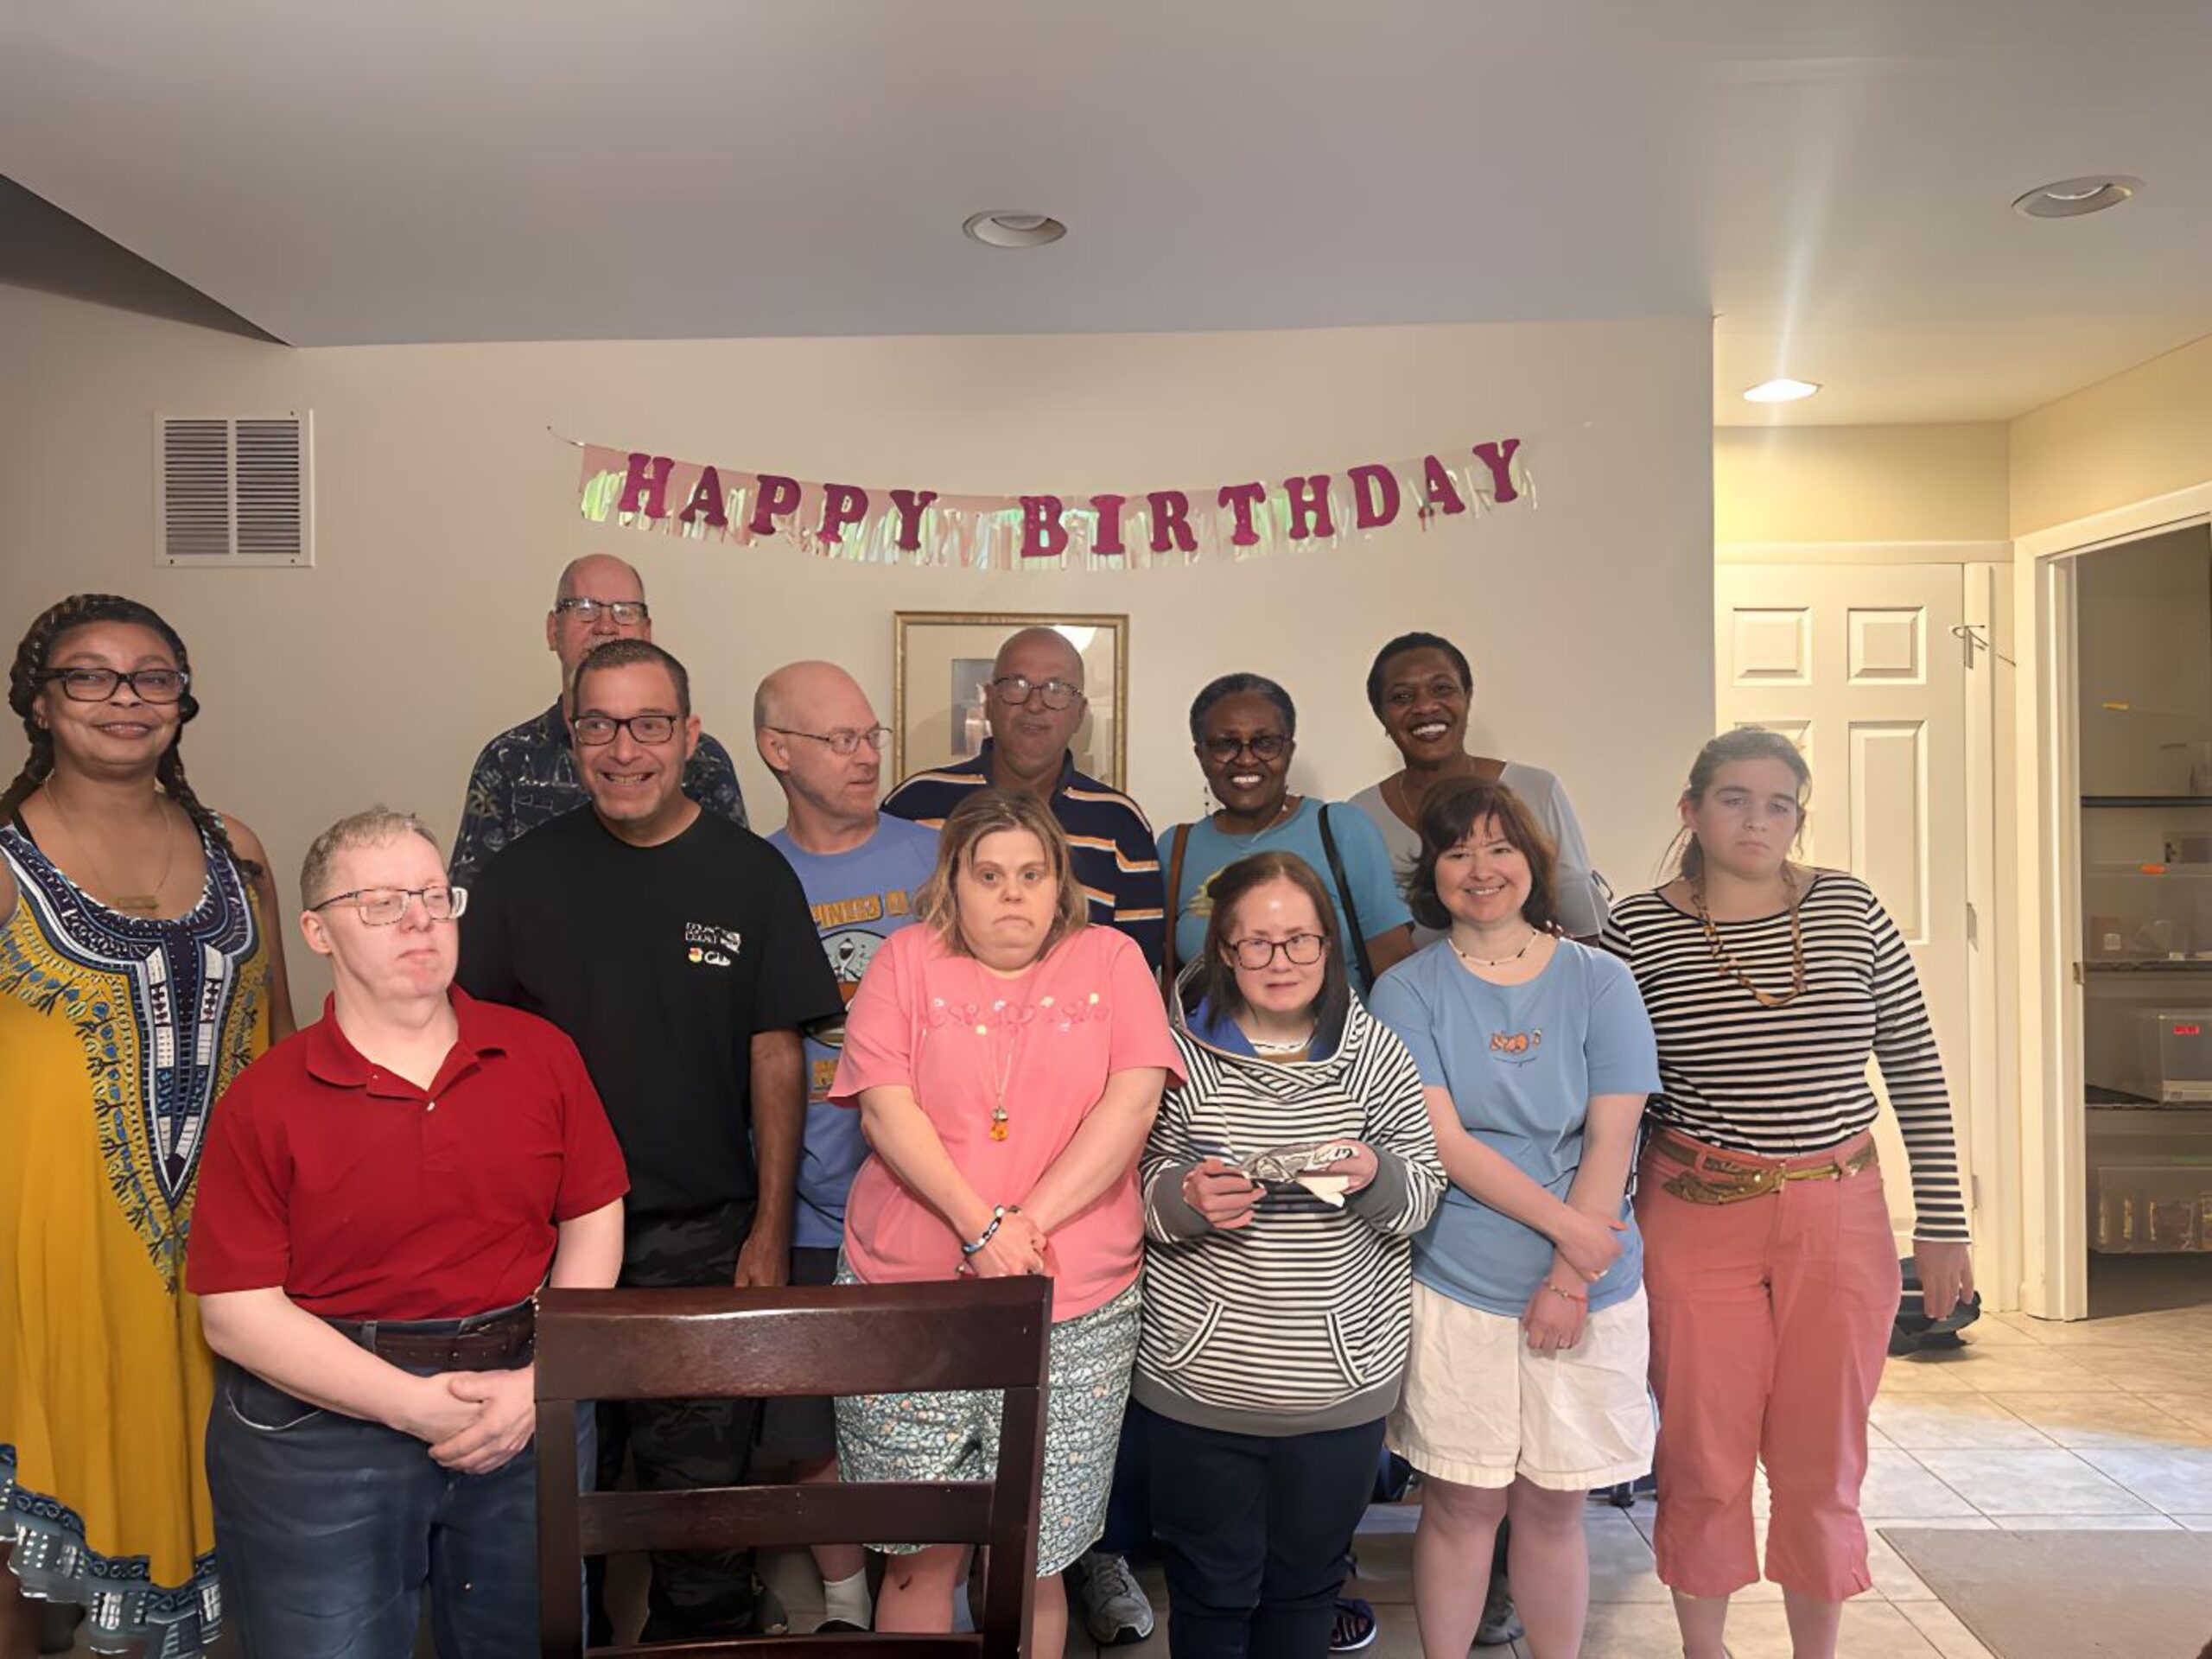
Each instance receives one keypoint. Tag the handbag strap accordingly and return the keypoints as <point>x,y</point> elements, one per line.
<point>1168,964</point>
<point>1345,904</point>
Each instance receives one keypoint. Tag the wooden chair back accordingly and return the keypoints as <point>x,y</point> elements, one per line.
<point>707,1344</point>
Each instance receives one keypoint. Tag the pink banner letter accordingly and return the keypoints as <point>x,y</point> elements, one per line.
<point>1107,539</point>
<point>1309,506</point>
<point>648,478</point>
<point>1498,457</point>
<point>1443,495</point>
<point>1375,491</point>
<point>706,501</point>
<point>1241,499</point>
<point>841,505</point>
<point>1170,521</point>
<point>778,497</point>
<point>1043,535</point>
<point>910,503</point>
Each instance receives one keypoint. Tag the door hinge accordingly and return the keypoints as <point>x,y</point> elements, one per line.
<point>1974,926</point>
<point>2077,974</point>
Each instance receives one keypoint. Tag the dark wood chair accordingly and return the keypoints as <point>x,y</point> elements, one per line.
<point>680,1345</point>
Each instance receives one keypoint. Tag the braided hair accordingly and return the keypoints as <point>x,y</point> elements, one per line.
<point>35,655</point>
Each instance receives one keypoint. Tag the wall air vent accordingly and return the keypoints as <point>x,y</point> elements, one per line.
<point>230,491</point>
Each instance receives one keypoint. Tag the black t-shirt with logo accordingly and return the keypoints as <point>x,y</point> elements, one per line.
<point>661,962</point>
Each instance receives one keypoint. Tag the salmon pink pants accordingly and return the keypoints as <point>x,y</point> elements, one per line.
<point>1770,1318</point>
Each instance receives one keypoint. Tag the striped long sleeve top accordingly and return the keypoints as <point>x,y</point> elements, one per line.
<point>1783,1082</point>
<point>1302,1320</point>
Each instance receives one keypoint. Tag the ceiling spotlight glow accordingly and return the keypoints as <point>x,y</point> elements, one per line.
<point>2071,198</point>
<point>1782,390</point>
<point>1006,228</point>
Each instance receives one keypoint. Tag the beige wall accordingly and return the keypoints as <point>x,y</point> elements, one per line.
<point>1859,484</point>
<point>2139,434</point>
<point>445,510</point>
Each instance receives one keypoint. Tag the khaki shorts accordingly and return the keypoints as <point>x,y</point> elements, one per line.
<point>1480,1407</point>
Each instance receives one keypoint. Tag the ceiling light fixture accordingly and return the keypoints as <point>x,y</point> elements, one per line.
<point>1007,229</point>
<point>1782,390</point>
<point>2071,198</point>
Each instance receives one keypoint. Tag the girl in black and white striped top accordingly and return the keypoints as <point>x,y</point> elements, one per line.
<point>1769,1262</point>
<point>1276,1312</point>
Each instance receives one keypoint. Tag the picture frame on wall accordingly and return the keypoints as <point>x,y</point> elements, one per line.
<point>941,673</point>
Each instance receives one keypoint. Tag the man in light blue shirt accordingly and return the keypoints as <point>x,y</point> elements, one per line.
<point>861,870</point>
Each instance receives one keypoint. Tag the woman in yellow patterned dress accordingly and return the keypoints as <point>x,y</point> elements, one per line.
<point>138,974</point>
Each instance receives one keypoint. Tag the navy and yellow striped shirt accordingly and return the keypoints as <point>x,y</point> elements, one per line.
<point>1116,858</point>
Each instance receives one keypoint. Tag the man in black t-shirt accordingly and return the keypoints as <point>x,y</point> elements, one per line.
<point>677,950</point>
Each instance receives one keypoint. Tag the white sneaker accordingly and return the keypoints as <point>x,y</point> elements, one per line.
<point>1114,1610</point>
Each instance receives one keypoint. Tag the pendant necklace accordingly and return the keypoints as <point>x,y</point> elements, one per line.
<point>1494,962</point>
<point>141,903</point>
<point>999,1119</point>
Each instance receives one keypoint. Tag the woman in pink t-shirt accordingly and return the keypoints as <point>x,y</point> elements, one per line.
<point>1006,1060</point>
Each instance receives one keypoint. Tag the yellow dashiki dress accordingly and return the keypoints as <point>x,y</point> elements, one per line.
<point>117,1033</point>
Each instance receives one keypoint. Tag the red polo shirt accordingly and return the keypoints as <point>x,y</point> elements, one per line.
<point>366,1197</point>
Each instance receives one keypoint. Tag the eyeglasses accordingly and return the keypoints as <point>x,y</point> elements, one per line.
<point>841,741</point>
<point>98,684</point>
<point>1017,689</point>
<point>1267,747</point>
<point>382,907</point>
<point>626,613</point>
<point>595,729</point>
<point>1300,950</point>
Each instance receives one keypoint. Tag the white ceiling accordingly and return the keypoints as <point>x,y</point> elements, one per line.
<point>1831,177</point>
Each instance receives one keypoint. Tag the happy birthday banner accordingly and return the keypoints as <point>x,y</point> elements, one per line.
<point>1140,528</point>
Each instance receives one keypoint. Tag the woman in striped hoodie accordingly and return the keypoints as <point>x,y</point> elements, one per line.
<point>1277,1311</point>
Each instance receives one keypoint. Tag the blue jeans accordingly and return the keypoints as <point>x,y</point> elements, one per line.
<point>328,1529</point>
<point>1254,1529</point>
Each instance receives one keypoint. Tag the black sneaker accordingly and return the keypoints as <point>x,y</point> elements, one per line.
<point>1354,1628</point>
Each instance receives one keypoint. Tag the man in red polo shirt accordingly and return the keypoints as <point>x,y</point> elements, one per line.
<point>380,1195</point>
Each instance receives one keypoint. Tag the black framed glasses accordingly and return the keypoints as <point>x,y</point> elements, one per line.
<point>98,684</point>
<point>1300,950</point>
<point>626,613</point>
<point>596,729</point>
<point>1014,689</point>
<point>383,906</point>
<point>1270,745</point>
<point>841,741</point>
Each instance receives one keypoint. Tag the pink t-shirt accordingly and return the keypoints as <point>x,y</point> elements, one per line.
<point>937,1023</point>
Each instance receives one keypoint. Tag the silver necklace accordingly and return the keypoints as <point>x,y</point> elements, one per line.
<point>1261,1046</point>
<point>1494,962</point>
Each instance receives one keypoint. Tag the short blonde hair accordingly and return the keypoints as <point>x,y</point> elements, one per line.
<point>373,828</point>
<point>990,812</point>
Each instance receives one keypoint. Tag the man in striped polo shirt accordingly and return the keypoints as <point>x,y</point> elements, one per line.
<point>1036,703</point>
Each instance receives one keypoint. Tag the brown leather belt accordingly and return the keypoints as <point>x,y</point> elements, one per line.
<point>497,1341</point>
<point>1712,1176</point>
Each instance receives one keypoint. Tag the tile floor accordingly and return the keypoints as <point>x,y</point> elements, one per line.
<point>2104,1423</point>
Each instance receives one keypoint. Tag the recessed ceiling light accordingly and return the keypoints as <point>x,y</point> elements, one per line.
<point>1780,391</point>
<point>1006,229</point>
<point>2071,198</point>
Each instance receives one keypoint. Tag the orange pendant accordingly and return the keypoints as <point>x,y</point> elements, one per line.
<point>998,1130</point>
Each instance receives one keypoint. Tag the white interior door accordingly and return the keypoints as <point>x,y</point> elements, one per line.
<point>1857,664</point>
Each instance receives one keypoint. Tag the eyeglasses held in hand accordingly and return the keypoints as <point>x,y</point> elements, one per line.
<point>626,613</point>
<point>1017,689</point>
<point>1268,747</point>
<point>595,729</point>
<point>1300,950</point>
<point>98,684</point>
<point>382,907</point>
<point>841,741</point>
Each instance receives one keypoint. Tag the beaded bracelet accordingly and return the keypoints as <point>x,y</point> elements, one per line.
<point>999,1214</point>
<point>1570,1296</point>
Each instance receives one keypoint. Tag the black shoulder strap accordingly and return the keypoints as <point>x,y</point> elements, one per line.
<point>1344,905</point>
<point>1168,964</point>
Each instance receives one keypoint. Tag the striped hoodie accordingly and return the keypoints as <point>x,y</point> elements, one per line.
<point>1299,1322</point>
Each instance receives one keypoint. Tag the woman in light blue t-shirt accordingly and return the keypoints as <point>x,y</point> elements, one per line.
<point>1244,732</point>
<point>1527,1386</point>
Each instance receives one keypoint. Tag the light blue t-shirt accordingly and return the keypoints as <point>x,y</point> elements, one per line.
<point>1522,1063</point>
<point>859,900</point>
<point>1367,871</point>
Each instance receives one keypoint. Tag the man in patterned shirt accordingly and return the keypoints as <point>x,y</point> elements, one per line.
<point>527,775</point>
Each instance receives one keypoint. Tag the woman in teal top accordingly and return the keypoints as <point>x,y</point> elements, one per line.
<point>1526,1387</point>
<point>1244,732</point>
